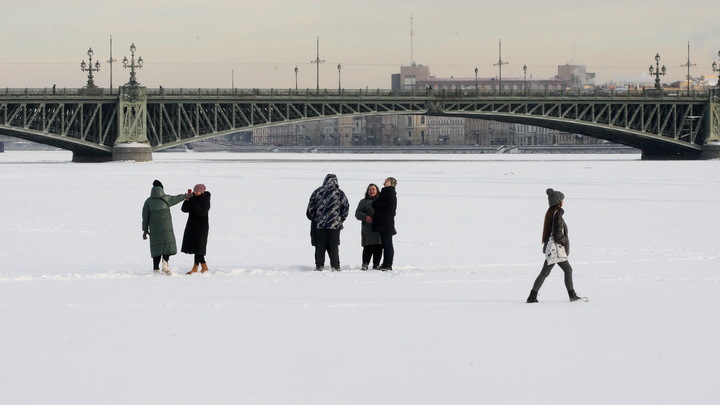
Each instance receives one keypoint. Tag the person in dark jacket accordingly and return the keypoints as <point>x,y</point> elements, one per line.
<point>197,228</point>
<point>370,240</point>
<point>157,222</point>
<point>555,225</point>
<point>383,221</point>
<point>328,208</point>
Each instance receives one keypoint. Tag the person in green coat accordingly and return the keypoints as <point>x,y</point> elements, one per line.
<point>157,222</point>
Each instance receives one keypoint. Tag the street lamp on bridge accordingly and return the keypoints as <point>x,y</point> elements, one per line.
<point>525,79</point>
<point>476,82</point>
<point>296,71</point>
<point>132,64</point>
<point>90,69</point>
<point>657,71</point>
<point>339,84</point>
<point>716,69</point>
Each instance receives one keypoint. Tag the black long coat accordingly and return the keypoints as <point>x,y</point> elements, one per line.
<point>197,227</point>
<point>385,206</point>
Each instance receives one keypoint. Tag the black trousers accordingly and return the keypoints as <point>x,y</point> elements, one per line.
<point>328,240</point>
<point>199,259</point>
<point>156,261</point>
<point>372,252</point>
<point>388,249</point>
<point>566,268</point>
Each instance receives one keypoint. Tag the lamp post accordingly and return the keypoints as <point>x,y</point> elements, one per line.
<point>132,64</point>
<point>296,70</point>
<point>476,82</point>
<point>525,78</point>
<point>339,84</point>
<point>716,69</point>
<point>657,71</point>
<point>90,69</point>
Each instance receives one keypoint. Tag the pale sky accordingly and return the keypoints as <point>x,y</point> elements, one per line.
<point>207,43</point>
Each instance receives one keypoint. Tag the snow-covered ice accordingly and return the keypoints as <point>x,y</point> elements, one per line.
<point>83,320</point>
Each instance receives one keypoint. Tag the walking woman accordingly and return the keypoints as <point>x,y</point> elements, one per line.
<point>384,221</point>
<point>555,227</point>
<point>157,222</point>
<point>197,228</point>
<point>372,247</point>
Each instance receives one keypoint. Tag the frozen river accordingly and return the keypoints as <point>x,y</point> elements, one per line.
<point>85,321</point>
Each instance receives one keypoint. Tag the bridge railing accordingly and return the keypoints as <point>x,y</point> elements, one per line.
<point>345,94</point>
<point>58,93</point>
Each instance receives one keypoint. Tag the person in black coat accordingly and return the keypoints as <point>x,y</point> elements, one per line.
<point>197,228</point>
<point>383,220</point>
<point>555,226</point>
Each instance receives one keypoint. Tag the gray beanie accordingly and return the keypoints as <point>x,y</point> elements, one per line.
<point>554,197</point>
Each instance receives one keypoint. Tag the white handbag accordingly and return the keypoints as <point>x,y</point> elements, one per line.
<point>555,252</point>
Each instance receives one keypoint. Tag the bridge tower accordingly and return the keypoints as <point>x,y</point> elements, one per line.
<point>132,142</point>
<point>711,149</point>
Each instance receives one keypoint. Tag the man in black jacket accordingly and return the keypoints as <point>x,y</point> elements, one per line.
<point>384,220</point>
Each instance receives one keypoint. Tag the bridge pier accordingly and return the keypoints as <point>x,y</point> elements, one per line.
<point>711,151</point>
<point>138,152</point>
<point>84,158</point>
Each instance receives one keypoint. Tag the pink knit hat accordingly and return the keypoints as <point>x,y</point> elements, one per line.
<point>199,188</point>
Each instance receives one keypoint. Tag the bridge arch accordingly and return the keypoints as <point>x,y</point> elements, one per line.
<point>650,144</point>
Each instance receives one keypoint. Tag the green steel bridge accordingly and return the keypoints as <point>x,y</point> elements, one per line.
<point>133,121</point>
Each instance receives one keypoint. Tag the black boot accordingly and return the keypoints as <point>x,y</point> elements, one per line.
<point>575,297</point>
<point>533,297</point>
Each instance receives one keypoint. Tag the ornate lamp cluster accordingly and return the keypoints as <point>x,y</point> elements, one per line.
<point>716,69</point>
<point>132,64</point>
<point>90,69</point>
<point>657,71</point>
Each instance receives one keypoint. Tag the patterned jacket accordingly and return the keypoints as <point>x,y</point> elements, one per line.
<point>328,207</point>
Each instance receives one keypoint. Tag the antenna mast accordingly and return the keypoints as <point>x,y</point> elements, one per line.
<point>110,62</point>
<point>687,65</point>
<point>412,33</point>
<point>317,62</point>
<point>500,64</point>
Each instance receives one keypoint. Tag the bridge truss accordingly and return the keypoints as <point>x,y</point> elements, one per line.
<point>89,123</point>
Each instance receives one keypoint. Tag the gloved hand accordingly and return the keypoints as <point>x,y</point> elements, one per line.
<point>145,234</point>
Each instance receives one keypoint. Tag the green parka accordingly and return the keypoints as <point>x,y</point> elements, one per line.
<point>157,221</point>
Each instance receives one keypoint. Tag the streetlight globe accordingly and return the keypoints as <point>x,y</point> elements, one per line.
<point>83,65</point>
<point>657,57</point>
<point>140,62</point>
<point>125,61</point>
<point>132,48</point>
<point>90,52</point>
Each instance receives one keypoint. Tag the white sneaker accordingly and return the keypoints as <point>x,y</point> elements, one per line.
<point>166,268</point>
